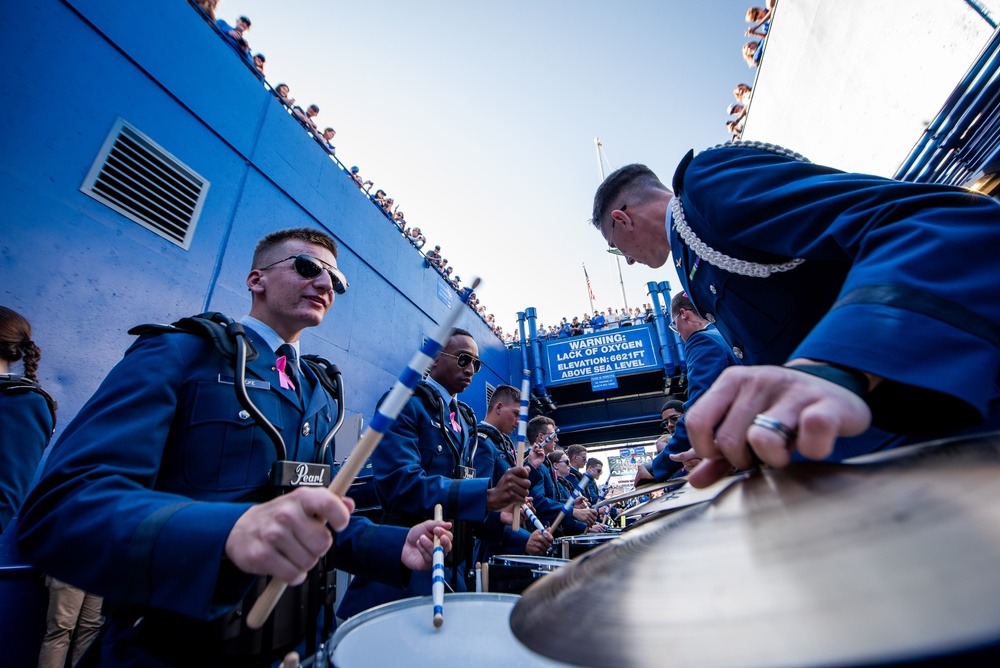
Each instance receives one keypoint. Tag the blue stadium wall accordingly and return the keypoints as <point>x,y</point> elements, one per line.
<point>84,274</point>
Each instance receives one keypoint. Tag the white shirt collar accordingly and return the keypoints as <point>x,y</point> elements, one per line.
<point>440,389</point>
<point>269,335</point>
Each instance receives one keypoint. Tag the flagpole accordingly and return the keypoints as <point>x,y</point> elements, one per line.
<point>618,258</point>
<point>590,291</point>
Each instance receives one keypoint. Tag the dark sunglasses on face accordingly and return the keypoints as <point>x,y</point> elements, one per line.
<point>670,421</point>
<point>309,267</point>
<point>463,360</point>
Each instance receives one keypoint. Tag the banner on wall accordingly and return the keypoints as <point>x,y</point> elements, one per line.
<point>620,351</point>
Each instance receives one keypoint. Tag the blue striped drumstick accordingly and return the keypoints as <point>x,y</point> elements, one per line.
<point>522,436</point>
<point>568,506</point>
<point>385,416</point>
<point>437,575</point>
<point>534,519</point>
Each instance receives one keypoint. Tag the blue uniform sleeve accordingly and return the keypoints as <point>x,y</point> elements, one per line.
<point>412,470</point>
<point>373,551</point>
<point>27,426</point>
<point>707,357</point>
<point>543,498</point>
<point>97,519</point>
<point>910,298</point>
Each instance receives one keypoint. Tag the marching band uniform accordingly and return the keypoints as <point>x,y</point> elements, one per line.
<point>146,483</point>
<point>707,355</point>
<point>416,467</point>
<point>790,257</point>
<point>494,455</point>
<point>545,499</point>
<point>28,419</point>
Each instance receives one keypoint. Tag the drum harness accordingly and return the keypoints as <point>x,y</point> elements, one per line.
<point>504,444</point>
<point>298,610</point>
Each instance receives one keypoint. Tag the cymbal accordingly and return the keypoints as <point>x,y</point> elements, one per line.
<point>684,496</point>
<point>813,565</point>
<point>640,491</point>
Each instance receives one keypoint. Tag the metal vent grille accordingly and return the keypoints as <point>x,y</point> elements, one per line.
<point>490,389</point>
<point>140,180</point>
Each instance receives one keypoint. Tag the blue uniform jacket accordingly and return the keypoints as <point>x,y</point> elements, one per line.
<point>141,491</point>
<point>545,498</point>
<point>898,280</point>
<point>708,355</point>
<point>27,427</point>
<point>493,456</point>
<point>412,469</point>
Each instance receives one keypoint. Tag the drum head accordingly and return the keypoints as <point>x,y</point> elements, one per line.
<point>476,632</point>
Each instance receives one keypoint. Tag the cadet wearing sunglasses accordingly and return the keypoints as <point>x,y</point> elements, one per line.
<point>463,360</point>
<point>186,463</point>
<point>426,458</point>
<point>310,267</point>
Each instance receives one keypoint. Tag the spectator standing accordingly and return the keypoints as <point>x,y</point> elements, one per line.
<point>306,117</point>
<point>599,321</point>
<point>71,624</point>
<point>235,36</point>
<point>283,94</point>
<point>326,140</point>
<point>208,6</point>
<point>258,63</point>
<point>27,413</point>
<point>742,93</point>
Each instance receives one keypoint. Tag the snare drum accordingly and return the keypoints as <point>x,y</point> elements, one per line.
<point>476,631</point>
<point>574,546</point>
<point>513,573</point>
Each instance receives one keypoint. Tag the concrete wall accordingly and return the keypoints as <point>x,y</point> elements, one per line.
<point>83,274</point>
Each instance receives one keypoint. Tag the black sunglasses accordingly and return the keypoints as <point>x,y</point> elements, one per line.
<point>309,267</point>
<point>463,360</point>
<point>670,421</point>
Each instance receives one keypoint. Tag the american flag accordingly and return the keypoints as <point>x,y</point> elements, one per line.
<point>590,290</point>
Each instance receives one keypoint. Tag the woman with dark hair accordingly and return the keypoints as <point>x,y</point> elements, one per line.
<point>27,413</point>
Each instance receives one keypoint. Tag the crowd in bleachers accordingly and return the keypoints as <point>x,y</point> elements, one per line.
<point>236,37</point>
<point>599,321</point>
<point>759,19</point>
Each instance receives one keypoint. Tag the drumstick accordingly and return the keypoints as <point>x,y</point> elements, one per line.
<point>382,421</point>
<point>522,436</point>
<point>437,575</point>
<point>534,519</point>
<point>486,577</point>
<point>479,577</point>
<point>645,489</point>
<point>568,506</point>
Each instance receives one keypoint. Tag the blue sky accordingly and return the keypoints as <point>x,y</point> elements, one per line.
<point>480,119</point>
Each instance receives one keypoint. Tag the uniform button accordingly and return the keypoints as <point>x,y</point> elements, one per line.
<point>738,353</point>
<point>305,429</point>
<point>439,448</point>
<point>712,289</point>
<point>244,415</point>
<point>710,317</point>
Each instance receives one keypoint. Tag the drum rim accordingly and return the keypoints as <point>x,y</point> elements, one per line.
<point>411,602</point>
<point>526,559</point>
<point>586,538</point>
